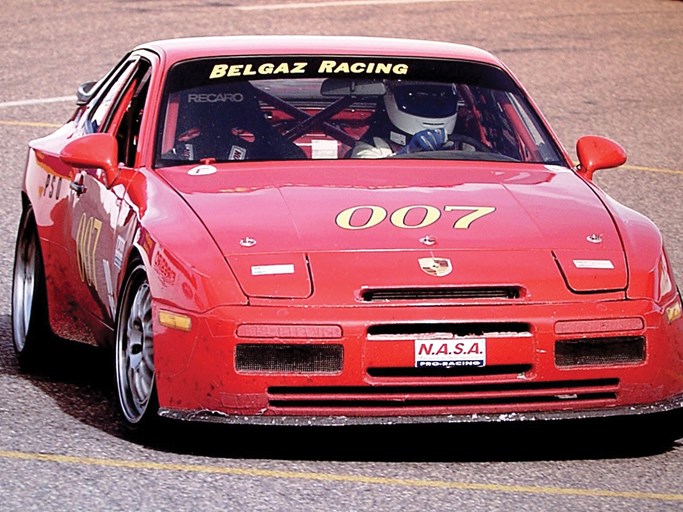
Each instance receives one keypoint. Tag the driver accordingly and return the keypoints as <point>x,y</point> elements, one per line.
<point>420,116</point>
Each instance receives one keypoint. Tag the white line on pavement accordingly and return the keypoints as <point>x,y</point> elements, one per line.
<point>37,101</point>
<point>342,3</point>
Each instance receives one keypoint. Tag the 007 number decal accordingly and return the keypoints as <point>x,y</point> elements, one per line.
<point>408,217</point>
<point>87,236</point>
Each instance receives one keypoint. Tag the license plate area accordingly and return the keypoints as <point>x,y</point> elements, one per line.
<point>450,352</point>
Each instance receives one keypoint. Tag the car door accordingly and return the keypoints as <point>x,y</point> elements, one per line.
<point>96,205</point>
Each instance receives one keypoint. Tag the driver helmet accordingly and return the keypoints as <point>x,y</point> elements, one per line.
<point>417,106</point>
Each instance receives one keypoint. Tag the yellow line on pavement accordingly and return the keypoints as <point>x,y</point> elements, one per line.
<point>651,169</point>
<point>398,482</point>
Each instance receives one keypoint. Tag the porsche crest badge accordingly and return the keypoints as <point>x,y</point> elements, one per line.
<point>438,267</point>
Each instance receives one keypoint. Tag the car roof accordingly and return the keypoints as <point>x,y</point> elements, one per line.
<point>178,49</point>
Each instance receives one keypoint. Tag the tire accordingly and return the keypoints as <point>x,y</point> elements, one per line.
<point>134,354</point>
<point>31,332</point>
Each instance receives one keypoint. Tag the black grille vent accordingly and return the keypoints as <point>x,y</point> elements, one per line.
<point>290,358</point>
<point>457,371</point>
<point>600,351</point>
<point>443,398</point>
<point>450,293</point>
<point>407,331</point>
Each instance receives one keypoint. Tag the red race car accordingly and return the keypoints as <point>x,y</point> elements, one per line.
<point>334,230</point>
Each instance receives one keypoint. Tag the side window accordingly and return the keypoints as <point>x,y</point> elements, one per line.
<point>126,119</point>
<point>97,118</point>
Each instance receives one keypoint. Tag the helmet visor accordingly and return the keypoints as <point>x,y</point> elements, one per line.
<point>426,100</point>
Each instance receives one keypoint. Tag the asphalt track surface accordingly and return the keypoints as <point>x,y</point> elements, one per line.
<point>613,68</point>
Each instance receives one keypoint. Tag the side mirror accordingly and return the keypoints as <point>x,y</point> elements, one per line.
<point>84,92</point>
<point>93,151</point>
<point>598,153</point>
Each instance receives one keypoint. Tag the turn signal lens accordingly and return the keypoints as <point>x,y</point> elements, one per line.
<point>674,311</point>
<point>175,320</point>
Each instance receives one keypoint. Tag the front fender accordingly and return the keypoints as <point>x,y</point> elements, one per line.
<point>185,267</point>
<point>644,249</point>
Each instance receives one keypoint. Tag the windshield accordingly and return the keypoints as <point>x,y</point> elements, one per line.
<point>303,107</point>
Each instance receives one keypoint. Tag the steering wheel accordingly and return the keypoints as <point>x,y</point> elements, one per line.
<point>460,140</point>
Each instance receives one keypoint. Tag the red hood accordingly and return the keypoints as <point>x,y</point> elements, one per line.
<point>469,211</point>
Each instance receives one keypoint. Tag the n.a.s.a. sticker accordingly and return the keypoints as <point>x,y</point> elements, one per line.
<point>447,353</point>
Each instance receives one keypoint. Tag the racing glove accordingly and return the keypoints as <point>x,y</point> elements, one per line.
<point>426,140</point>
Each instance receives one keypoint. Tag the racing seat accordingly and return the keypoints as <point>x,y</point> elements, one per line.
<point>225,122</point>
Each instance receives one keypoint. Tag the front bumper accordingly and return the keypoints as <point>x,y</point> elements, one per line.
<point>672,404</point>
<point>377,382</point>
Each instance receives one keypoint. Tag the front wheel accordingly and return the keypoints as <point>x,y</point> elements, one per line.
<point>31,332</point>
<point>134,353</point>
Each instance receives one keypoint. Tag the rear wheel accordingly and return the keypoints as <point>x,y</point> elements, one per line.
<point>31,332</point>
<point>134,353</point>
